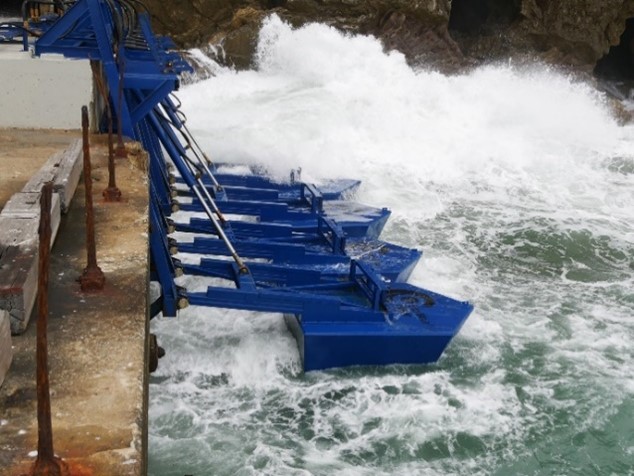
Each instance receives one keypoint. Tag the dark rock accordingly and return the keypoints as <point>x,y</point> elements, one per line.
<point>445,34</point>
<point>422,44</point>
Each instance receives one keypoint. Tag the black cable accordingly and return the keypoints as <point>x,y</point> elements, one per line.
<point>142,5</point>
<point>117,31</point>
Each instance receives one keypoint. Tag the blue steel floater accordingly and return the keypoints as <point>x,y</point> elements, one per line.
<point>293,248</point>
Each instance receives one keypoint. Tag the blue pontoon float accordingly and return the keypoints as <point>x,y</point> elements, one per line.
<point>302,250</point>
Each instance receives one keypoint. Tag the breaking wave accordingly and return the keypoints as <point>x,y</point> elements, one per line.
<point>516,183</point>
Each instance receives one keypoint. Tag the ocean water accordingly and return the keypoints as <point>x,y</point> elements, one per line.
<point>518,185</point>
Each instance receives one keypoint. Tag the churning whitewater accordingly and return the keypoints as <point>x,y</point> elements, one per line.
<point>518,185</point>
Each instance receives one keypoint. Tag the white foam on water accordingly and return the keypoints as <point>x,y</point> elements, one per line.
<point>503,177</point>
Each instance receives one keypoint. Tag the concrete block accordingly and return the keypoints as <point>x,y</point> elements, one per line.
<point>70,170</point>
<point>6,351</point>
<point>18,284</point>
<point>23,212</point>
<point>63,169</point>
<point>19,242</point>
<point>47,173</point>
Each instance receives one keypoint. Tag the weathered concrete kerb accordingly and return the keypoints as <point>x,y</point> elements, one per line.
<point>6,350</point>
<point>19,221</point>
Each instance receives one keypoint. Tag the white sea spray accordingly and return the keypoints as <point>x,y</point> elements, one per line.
<point>518,185</point>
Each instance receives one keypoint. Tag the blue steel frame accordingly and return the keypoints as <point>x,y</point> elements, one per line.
<point>343,311</point>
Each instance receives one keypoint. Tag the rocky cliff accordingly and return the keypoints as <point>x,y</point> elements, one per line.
<point>445,34</point>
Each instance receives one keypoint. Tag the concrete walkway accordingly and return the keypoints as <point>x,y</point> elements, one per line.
<point>97,342</point>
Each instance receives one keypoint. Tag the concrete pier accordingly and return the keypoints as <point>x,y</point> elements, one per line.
<point>98,342</point>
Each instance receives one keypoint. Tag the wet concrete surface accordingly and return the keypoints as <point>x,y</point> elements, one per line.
<point>97,341</point>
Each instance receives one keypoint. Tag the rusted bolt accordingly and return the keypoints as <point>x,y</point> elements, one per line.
<point>156,352</point>
<point>92,279</point>
<point>46,463</point>
<point>182,303</point>
<point>172,246</point>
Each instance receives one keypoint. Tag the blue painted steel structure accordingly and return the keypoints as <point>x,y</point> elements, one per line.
<point>34,21</point>
<point>292,248</point>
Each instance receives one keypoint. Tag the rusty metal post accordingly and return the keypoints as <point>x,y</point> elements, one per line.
<point>122,153</point>
<point>121,150</point>
<point>92,279</point>
<point>112,193</point>
<point>46,463</point>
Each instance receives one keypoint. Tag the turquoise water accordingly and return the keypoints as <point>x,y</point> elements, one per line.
<point>518,185</point>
